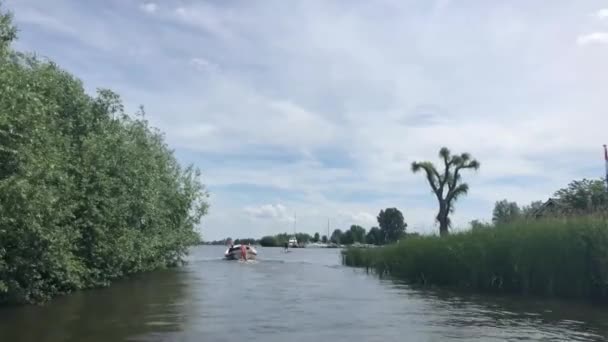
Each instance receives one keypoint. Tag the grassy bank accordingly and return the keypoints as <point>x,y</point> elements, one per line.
<point>559,257</point>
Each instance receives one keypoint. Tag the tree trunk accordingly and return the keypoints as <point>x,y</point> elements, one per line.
<point>443,227</point>
<point>442,217</point>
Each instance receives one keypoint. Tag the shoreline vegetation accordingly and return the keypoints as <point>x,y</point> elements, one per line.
<point>88,193</point>
<point>563,257</point>
<point>557,248</point>
<point>392,228</point>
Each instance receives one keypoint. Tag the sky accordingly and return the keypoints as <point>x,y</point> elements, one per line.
<point>317,108</point>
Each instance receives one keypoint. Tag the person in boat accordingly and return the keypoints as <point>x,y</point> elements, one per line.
<point>243,252</point>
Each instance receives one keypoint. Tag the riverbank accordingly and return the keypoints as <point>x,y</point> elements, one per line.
<point>566,258</point>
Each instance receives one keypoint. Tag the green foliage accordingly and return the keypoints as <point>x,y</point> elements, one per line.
<point>269,241</point>
<point>447,185</point>
<point>324,239</point>
<point>583,196</point>
<point>87,194</point>
<point>553,257</point>
<point>316,238</point>
<point>505,212</point>
<point>336,236</point>
<point>354,234</point>
<point>375,236</point>
<point>530,209</point>
<point>476,224</point>
<point>303,238</point>
<point>8,32</point>
<point>392,225</point>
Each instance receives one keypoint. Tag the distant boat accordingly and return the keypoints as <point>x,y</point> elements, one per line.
<point>293,242</point>
<point>316,245</point>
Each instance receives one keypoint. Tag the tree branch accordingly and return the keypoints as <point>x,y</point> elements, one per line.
<point>431,174</point>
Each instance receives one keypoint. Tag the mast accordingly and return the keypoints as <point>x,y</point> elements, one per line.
<point>606,162</point>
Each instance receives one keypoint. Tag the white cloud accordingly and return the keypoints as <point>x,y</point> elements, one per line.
<point>328,106</point>
<point>593,38</point>
<point>602,13</point>
<point>361,218</point>
<point>269,211</point>
<point>149,7</point>
<point>202,64</point>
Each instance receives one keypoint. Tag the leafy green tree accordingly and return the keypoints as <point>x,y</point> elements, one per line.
<point>583,195</point>
<point>531,209</point>
<point>476,225</point>
<point>447,185</point>
<point>347,238</point>
<point>303,237</point>
<point>316,238</point>
<point>392,224</point>
<point>268,241</point>
<point>336,236</point>
<point>505,212</point>
<point>87,193</point>
<point>324,239</point>
<point>358,233</point>
<point>8,32</point>
<point>375,236</point>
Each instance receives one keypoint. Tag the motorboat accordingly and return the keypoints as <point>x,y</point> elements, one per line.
<point>293,243</point>
<point>234,252</point>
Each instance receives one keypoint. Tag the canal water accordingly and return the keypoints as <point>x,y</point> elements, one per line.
<point>305,295</point>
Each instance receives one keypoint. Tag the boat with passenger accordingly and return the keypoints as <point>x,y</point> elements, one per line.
<point>236,252</point>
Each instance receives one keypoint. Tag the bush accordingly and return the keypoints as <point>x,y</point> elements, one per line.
<point>553,257</point>
<point>87,193</point>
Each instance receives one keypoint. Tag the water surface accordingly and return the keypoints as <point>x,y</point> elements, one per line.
<point>305,295</point>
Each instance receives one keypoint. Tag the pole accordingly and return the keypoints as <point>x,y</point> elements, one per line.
<point>606,163</point>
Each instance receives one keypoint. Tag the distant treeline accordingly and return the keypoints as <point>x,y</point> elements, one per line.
<point>391,229</point>
<point>87,193</point>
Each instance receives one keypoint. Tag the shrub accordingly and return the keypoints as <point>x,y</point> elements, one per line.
<point>87,193</point>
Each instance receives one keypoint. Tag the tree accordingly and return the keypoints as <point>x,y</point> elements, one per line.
<point>476,225</point>
<point>8,32</point>
<point>303,237</point>
<point>324,239</point>
<point>505,212</point>
<point>392,224</point>
<point>316,238</point>
<point>583,195</point>
<point>88,193</point>
<point>347,238</point>
<point>375,236</point>
<point>447,185</point>
<point>358,233</point>
<point>336,236</point>
<point>530,209</point>
<point>268,241</point>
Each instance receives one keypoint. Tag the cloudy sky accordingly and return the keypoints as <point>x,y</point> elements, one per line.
<point>319,107</point>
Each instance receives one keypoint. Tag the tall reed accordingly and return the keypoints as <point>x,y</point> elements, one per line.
<point>561,257</point>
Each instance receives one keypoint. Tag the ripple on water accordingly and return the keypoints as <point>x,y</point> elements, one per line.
<point>300,296</point>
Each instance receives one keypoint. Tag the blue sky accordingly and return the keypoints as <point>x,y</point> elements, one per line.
<point>319,107</point>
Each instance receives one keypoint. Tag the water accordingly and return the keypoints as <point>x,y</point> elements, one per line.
<point>304,295</point>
